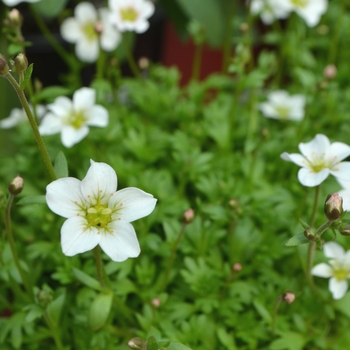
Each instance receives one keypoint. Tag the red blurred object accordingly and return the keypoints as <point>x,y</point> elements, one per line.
<point>180,54</point>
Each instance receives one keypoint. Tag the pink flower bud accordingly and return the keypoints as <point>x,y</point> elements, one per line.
<point>236,267</point>
<point>333,207</point>
<point>4,68</point>
<point>156,302</point>
<point>188,216</point>
<point>288,297</point>
<point>330,71</point>
<point>16,186</point>
<point>21,63</point>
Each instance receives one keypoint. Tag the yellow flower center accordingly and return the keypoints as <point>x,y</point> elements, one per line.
<point>99,216</point>
<point>282,112</point>
<point>340,274</point>
<point>90,31</point>
<point>76,119</point>
<point>300,3</point>
<point>129,14</point>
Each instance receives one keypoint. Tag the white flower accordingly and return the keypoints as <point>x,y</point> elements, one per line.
<point>131,15</point>
<point>16,2</point>
<point>98,214</point>
<point>337,269</point>
<point>18,116</point>
<point>88,30</point>
<point>270,10</point>
<point>309,10</point>
<point>72,118</point>
<point>345,193</point>
<point>281,105</point>
<point>318,159</point>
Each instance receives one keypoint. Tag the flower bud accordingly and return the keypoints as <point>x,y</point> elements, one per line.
<point>16,186</point>
<point>309,233</point>
<point>333,207</point>
<point>156,302</point>
<point>15,18</point>
<point>288,297</point>
<point>344,229</point>
<point>4,68</point>
<point>330,71</point>
<point>20,63</point>
<point>136,344</point>
<point>143,63</point>
<point>44,297</point>
<point>188,216</point>
<point>236,267</point>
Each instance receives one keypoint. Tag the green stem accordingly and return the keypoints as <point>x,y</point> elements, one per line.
<point>54,333</point>
<point>132,64</point>
<point>11,241</point>
<point>275,312</point>
<point>314,209</point>
<point>197,59</point>
<point>99,266</point>
<point>38,138</point>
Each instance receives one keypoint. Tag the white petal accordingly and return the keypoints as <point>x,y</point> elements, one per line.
<point>16,116</point>
<point>64,197</point>
<point>338,288</point>
<point>122,243</point>
<point>50,124</point>
<point>296,158</point>
<point>333,250</point>
<point>141,26</point>
<point>110,39</point>
<point>84,98</point>
<point>98,116</point>
<point>87,51</point>
<point>341,171</point>
<point>77,238</point>
<point>319,145</point>
<point>339,150</point>
<point>70,30</point>
<point>132,204</point>
<point>85,12</point>
<point>310,179</point>
<point>345,194</point>
<point>100,182</point>
<point>322,270</point>
<point>70,135</point>
<point>61,106</point>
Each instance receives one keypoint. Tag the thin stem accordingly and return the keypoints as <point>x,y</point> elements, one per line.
<point>38,138</point>
<point>132,64</point>
<point>99,266</point>
<point>11,241</point>
<point>55,335</point>
<point>197,60</point>
<point>314,209</point>
<point>275,312</point>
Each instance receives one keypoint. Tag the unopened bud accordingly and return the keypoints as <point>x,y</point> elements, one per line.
<point>288,297</point>
<point>143,63</point>
<point>44,297</point>
<point>15,18</point>
<point>344,228</point>
<point>98,27</point>
<point>156,302</point>
<point>333,207</point>
<point>309,233</point>
<point>236,267</point>
<point>4,67</point>
<point>16,186</point>
<point>244,27</point>
<point>330,71</point>
<point>20,63</point>
<point>188,216</point>
<point>136,344</point>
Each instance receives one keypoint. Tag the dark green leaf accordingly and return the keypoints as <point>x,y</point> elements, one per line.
<point>61,167</point>
<point>99,310</point>
<point>86,279</point>
<point>297,239</point>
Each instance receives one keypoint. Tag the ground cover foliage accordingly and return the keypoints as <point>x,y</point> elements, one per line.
<point>224,278</point>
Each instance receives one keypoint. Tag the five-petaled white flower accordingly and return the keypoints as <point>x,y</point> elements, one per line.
<point>131,15</point>
<point>97,214</point>
<point>337,269</point>
<point>16,2</point>
<point>72,118</point>
<point>281,105</point>
<point>18,116</point>
<point>318,159</point>
<point>270,10</point>
<point>88,30</point>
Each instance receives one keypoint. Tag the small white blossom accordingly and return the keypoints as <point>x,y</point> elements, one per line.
<point>345,193</point>
<point>318,159</point>
<point>16,2</point>
<point>131,15</point>
<point>270,10</point>
<point>280,105</point>
<point>337,269</point>
<point>18,116</point>
<point>73,118</point>
<point>97,214</point>
<point>89,30</point>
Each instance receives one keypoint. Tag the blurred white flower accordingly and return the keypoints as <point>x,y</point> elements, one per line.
<point>269,10</point>
<point>131,15</point>
<point>318,159</point>
<point>72,118</point>
<point>98,214</point>
<point>345,193</point>
<point>337,269</point>
<point>18,116</point>
<point>309,10</point>
<point>16,2</point>
<point>89,30</point>
<point>281,105</point>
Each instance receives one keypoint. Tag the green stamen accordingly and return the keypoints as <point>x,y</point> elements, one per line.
<point>99,216</point>
<point>282,112</point>
<point>341,274</point>
<point>128,14</point>
<point>90,32</point>
<point>76,119</point>
<point>300,3</point>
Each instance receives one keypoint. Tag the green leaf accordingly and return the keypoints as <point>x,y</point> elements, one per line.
<point>54,309</point>
<point>50,93</point>
<point>27,74</point>
<point>297,239</point>
<point>29,200</point>
<point>152,344</point>
<point>87,280</point>
<point>61,167</point>
<point>226,339</point>
<point>50,8</point>
<point>304,224</point>
<point>99,310</point>
<point>288,341</point>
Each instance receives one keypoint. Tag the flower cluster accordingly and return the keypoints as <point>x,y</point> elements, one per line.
<point>91,29</point>
<point>309,10</point>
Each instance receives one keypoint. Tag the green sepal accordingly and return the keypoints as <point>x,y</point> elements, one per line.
<point>27,75</point>
<point>304,224</point>
<point>61,166</point>
<point>296,240</point>
<point>29,200</point>
<point>54,310</point>
<point>99,310</point>
<point>86,279</point>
